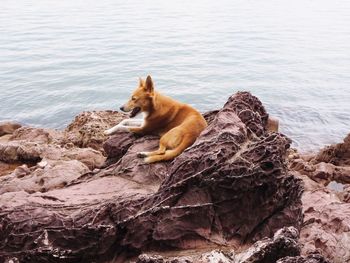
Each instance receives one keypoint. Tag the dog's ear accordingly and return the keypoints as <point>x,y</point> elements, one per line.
<point>149,84</point>
<point>141,82</point>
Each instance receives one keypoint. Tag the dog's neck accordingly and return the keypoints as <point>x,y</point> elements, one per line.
<point>145,114</point>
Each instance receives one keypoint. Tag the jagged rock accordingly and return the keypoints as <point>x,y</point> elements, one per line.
<point>116,146</point>
<point>56,174</point>
<point>6,168</point>
<point>159,259</point>
<point>87,128</point>
<point>31,145</point>
<point>216,256</point>
<point>284,243</point>
<point>326,224</point>
<point>326,210</point>
<point>311,258</point>
<point>8,127</point>
<point>231,187</point>
<point>267,250</point>
<point>331,164</point>
<point>130,166</point>
<point>338,154</point>
<point>36,135</point>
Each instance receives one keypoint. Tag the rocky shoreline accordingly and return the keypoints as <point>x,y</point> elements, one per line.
<point>239,194</point>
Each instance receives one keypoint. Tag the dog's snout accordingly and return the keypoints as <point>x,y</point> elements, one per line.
<point>122,108</point>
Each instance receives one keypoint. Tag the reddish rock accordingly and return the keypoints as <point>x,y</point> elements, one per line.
<point>6,168</point>
<point>55,174</point>
<point>86,130</point>
<point>311,258</point>
<point>337,154</point>
<point>326,227</point>
<point>284,242</point>
<point>231,187</point>
<point>8,127</point>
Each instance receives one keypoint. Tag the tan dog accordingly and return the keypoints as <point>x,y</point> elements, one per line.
<point>176,123</point>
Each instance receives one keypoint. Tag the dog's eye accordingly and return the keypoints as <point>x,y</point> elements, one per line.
<point>133,98</point>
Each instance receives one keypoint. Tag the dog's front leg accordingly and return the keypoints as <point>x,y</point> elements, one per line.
<point>134,122</point>
<point>138,130</point>
<point>124,125</point>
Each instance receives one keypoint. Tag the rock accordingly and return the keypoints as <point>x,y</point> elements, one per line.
<point>88,156</point>
<point>338,154</point>
<point>117,145</point>
<point>26,152</point>
<point>56,174</point>
<point>326,224</point>
<point>130,166</point>
<point>6,168</point>
<point>217,256</point>
<point>346,194</point>
<point>331,164</point>
<point>230,188</point>
<point>31,145</point>
<point>36,135</point>
<point>87,128</point>
<point>8,127</point>
<point>311,258</point>
<point>326,207</point>
<point>284,242</point>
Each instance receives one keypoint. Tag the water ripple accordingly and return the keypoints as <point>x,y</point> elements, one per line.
<point>58,58</point>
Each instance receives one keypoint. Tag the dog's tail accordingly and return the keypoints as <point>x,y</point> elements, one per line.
<point>171,154</point>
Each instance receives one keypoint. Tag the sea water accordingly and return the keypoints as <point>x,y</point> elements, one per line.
<point>58,58</point>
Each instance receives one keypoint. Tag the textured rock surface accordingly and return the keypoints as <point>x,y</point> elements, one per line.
<point>331,164</point>
<point>8,127</point>
<point>87,128</point>
<point>326,208</point>
<point>311,258</point>
<point>326,225</point>
<point>284,242</point>
<point>230,188</point>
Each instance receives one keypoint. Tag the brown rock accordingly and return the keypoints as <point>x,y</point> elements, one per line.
<point>31,145</point>
<point>8,127</point>
<point>326,224</point>
<point>56,174</point>
<point>117,145</point>
<point>87,128</point>
<point>284,242</point>
<point>326,227</point>
<point>311,258</point>
<point>6,168</point>
<point>338,154</point>
<point>36,135</point>
<point>230,188</point>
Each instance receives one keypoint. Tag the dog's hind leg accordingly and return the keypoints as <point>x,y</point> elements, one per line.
<point>169,140</point>
<point>161,150</point>
<point>171,154</point>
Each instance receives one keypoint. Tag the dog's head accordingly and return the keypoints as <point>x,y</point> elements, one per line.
<point>141,99</point>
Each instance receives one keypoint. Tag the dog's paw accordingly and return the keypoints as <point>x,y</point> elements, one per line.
<point>142,154</point>
<point>107,132</point>
<point>148,160</point>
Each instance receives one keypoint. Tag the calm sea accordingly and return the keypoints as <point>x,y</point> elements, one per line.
<point>58,58</point>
